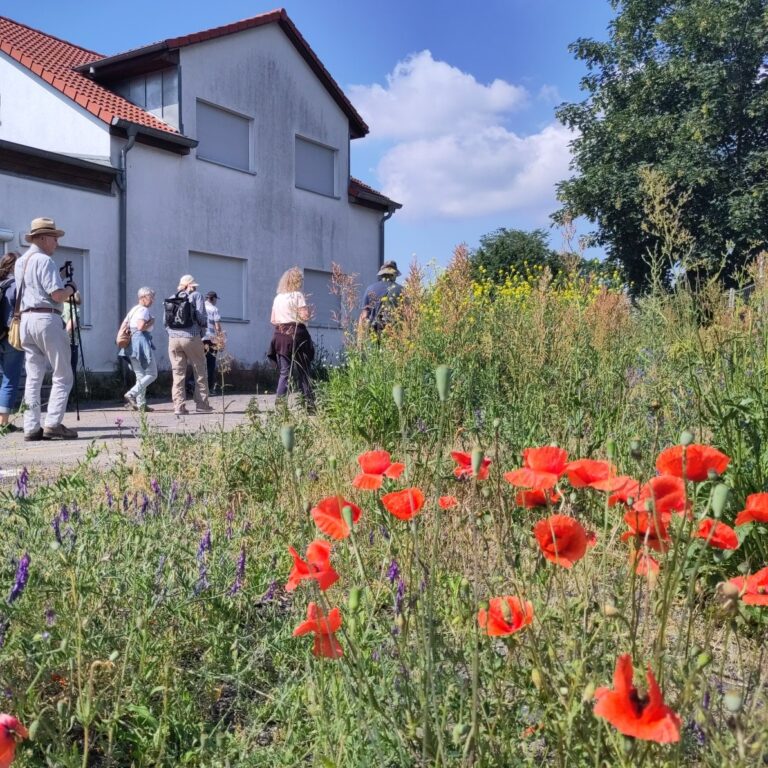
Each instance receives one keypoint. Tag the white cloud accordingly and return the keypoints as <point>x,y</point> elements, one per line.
<point>425,97</point>
<point>452,154</point>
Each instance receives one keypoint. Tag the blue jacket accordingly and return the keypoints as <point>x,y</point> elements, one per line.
<point>141,347</point>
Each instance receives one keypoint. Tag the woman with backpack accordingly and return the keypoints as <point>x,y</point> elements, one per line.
<point>141,350</point>
<point>291,347</point>
<point>11,359</point>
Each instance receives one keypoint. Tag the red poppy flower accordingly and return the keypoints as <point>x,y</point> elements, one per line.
<point>699,460</point>
<point>499,621</point>
<point>584,473</point>
<point>403,504</point>
<point>717,534</point>
<point>667,494</point>
<point>317,566</point>
<point>536,498</point>
<point>647,718</point>
<point>647,529</point>
<point>11,732</point>
<point>327,516</point>
<point>621,488</point>
<point>541,468</point>
<point>446,502</point>
<point>645,565</point>
<point>562,539</point>
<point>324,628</point>
<point>753,589</point>
<point>376,465</point>
<point>463,469</point>
<point>756,510</point>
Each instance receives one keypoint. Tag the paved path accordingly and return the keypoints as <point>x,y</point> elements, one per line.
<point>98,427</point>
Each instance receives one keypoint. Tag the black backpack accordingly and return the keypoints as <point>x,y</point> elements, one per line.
<point>4,286</point>
<point>179,312</point>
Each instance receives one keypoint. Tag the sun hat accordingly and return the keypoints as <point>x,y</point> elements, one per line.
<point>186,280</point>
<point>211,295</point>
<point>43,226</point>
<point>388,268</point>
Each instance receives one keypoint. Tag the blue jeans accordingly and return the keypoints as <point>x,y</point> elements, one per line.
<point>288,368</point>
<point>144,377</point>
<point>11,363</point>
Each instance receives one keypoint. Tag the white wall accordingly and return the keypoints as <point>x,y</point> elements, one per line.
<point>182,204</point>
<point>89,220</point>
<point>34,113</point>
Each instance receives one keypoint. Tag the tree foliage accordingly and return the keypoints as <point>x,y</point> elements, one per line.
<point>681,87</point>
<point>504,249</point>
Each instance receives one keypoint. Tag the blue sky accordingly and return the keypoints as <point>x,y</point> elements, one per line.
<point>459,95</point>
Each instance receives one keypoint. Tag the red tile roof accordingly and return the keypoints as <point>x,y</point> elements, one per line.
<point>53,60</point>
<point>366,194</point>
<point>358,127</point>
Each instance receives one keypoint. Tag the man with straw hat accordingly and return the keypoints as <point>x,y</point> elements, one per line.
<point>43,337</point>
<point>381,297</point>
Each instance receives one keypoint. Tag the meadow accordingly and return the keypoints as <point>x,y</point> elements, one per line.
<point>527,526</point>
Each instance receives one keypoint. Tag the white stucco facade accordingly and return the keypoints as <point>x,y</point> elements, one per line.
<point>186,214</point>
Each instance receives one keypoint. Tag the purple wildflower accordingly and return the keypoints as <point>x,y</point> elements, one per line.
<point>22,484</point>
<point>371,537</point>
<point>110,497</point>
<point>188,502</point>
<point>118,422</point>
<point>313,476</point>
<point>393,571</point>
<point>421,426</point>
<point>202,579</point>
<point>240,574</point>
<point>50,616</point>
<point>174,492</point>
<point>64,514</point>
<point>22,575</point>
<point>230,519</point>
<point>384,532</point>
<point>125,502</point>
<point>155,486</point>
<point>399,597</point>
<point>205,544</point>
<point>269,595</point>
<point>4,626</point>
<point>144,505</point>
<point>56,525</point>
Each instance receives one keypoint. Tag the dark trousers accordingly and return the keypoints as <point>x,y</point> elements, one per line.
<point>288,368</point>
<point>210,362</point>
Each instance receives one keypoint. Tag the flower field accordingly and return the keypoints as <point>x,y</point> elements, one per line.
<point>528,527</point>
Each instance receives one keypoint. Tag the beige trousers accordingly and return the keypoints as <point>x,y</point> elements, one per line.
<point>183,351</point>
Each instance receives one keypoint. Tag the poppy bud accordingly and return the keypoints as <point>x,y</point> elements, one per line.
<point>346,514</point>
<point>536,678</point>
<point>703,660</point>
<point>61,707</point>
<point>477,460</point>
<point>686,437</point>
<point>33,729</point>
<point>114,655</point>
<point>297,472</point>
<point>496,423</point>
<point>397,396</point>
<point>354,598</point>
<point>332,462</point>
<point>635,449</point>
<point>733,700</point>
<point>287,437</point>
<point>483,604</point>
<point>611,450</point>
<point>486,492</point>
<point>443,380</point>
<point>609,609</point>
<point>719,499</point>
<point>589,693</point>
<point>459,733</point>
<point>655,405</point>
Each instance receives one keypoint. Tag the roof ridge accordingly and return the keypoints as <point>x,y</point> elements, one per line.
<point>49,35</point>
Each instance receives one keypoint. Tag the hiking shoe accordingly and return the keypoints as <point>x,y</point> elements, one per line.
<point>182,411</point>
<point>130,401</point>
<point>204,409</point>
<point>59,431</point>
<point>34,436</point>
<point>146,409</point>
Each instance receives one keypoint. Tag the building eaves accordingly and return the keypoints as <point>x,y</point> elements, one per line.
<point>362,194</point>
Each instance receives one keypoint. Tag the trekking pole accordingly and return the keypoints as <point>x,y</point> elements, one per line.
<point>82,356</point>
<point>72,322</point>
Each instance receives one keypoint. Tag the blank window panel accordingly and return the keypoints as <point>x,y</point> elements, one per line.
<point>155,94</point>
<point>224,137</point>
<point>315,167</point>
<point>227,276</point>
<point>327,306</point>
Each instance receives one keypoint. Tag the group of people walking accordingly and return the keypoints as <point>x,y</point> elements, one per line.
<point>33,292</point>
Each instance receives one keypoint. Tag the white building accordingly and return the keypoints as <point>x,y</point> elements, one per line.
<point>224,154</point>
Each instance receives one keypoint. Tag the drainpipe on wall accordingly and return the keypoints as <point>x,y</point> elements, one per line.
<point>122,258</point>
<point>387,215</point>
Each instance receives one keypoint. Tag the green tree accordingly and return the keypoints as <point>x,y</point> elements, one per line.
<point>680,86</point>
<point>505,248</point>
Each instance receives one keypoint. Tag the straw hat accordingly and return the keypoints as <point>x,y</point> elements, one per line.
<point>186,280</point>
<point>388,268</point>
<point>42,226</point>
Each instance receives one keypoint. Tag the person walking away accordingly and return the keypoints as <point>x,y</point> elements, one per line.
<point>141,350</point>
<point>11,359</point>
<point>291,347</point>
<point>213,339</point>
<point>381,297</point>
<point>186,325</point>
<point>42,332</point>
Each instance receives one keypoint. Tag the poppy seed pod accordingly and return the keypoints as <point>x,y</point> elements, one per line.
<point>536,678</point>
<point>397,396</point>
<point>611,450</point>
<point>733,700</point>
<point>332,461</point>
<point>354,598</point>
<point>33,729</point>
<point>443,380</point>
<point>477,460</point>
<point>589,693</point>
<point>346,515</point>
<point>720,499</point>
<point>287,437</point>
<point>686,437</point>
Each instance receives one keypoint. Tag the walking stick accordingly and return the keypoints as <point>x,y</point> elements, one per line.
<point>72,348</point>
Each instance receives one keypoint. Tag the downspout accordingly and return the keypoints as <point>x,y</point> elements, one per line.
<point>387,215</point>
<point>122,246</point>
